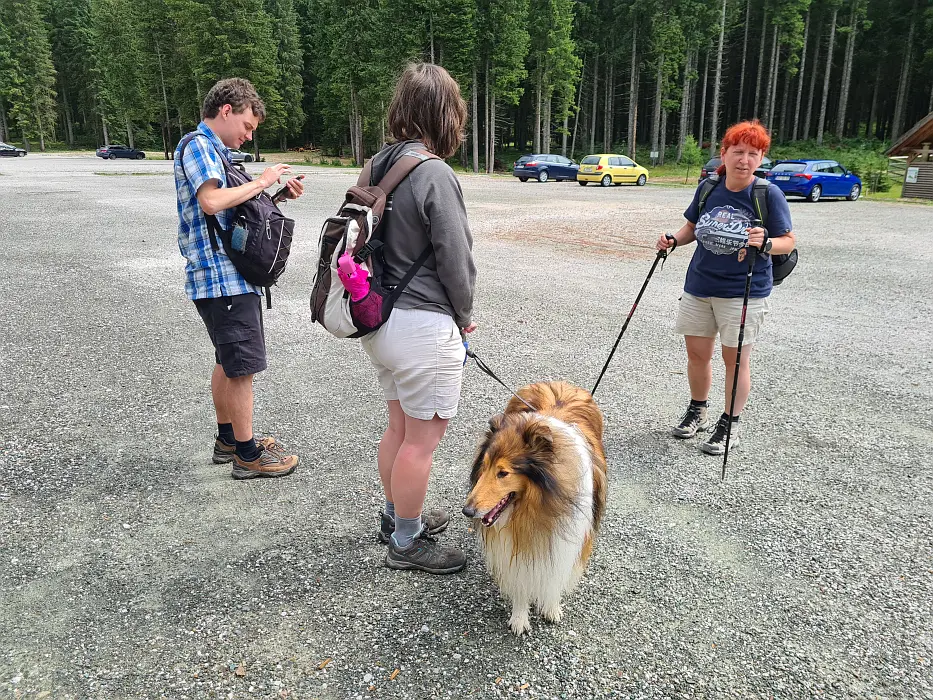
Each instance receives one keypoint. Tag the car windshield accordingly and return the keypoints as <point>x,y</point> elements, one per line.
<point>713,164</point>
<point>590,160</point>
<point>788,168</point>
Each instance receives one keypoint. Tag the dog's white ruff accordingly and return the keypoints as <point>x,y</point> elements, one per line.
<point>541,577</point>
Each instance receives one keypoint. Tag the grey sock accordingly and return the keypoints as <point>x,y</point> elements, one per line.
<point>390,509</point>
<point>406,530</point>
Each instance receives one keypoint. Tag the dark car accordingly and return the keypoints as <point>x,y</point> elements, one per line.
<point>11,151</point>
<point>543,167</point>
<point>815,179</point>
<point>117,150</point>
<point>713,163</point>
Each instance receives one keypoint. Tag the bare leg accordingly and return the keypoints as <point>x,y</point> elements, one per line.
<point>700,366</point>
<point>745,377</point>
<point>233,402</point>
<point>412,467</point>
<point>392,440</point>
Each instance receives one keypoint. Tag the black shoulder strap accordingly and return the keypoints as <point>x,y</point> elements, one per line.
<point>400,287</point>
<point>213,225</point>
<point>760,198</point>
<point>706,188</point>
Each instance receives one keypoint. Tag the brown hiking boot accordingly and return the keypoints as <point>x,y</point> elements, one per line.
<point>268,464</point>
<point>223,453</point>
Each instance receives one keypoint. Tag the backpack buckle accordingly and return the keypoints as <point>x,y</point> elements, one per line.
<point>364,253</point>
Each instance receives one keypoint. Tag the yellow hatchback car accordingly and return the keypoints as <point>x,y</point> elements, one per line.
<point>610,168</point>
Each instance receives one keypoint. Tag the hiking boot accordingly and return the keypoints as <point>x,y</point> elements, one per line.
<point>433,522</point>
<point>223,453</point>
<point>694,420</point>
<point>267,464</point>
<point>716,445</point>
<point>425,554</point>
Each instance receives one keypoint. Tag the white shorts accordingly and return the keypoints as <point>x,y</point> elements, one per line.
<point>419,356</point>
<point>707,316</point>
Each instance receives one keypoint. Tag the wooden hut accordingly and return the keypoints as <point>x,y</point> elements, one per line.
<point>917,145</point>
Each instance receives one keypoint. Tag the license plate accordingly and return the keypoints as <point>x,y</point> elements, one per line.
<point>587,168</point>
<point>783,177</point>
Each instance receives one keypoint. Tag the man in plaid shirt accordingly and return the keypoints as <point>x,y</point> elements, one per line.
<point>230,307</point>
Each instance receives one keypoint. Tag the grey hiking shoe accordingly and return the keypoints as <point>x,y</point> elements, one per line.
<point>694,420</point>
<point>425,554</point>
<point>716,445</point>
<point>433,522</point>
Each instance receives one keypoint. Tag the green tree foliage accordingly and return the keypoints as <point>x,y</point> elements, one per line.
<point>27,73</point>
<point>83,70</point>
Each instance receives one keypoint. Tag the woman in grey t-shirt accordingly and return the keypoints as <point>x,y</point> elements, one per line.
<point>418,353</point>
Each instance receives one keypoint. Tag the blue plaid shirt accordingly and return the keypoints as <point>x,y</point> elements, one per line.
<point>209,273</point>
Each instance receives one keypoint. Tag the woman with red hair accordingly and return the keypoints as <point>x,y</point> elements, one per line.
<point>711,304</point>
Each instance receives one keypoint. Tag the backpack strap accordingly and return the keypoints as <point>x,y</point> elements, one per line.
<point>402,167</point>
<point>706,188</point>
<point>409,276</point>
<point>760,199</point>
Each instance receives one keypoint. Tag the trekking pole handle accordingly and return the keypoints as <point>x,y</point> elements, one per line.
<point>673,242</point>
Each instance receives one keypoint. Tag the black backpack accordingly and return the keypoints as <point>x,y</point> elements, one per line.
<point>260,239</point>
<point>781,265</point>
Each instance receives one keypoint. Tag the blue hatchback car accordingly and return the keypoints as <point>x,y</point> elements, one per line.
<point>815,179</point>
<point>545,166</point>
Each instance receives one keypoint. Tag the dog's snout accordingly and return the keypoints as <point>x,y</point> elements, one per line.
<point>469,511</point>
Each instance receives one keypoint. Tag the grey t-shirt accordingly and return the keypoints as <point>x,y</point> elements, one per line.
<point>427,207</point>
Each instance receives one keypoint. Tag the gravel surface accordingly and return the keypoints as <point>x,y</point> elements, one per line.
<point>132,567</point>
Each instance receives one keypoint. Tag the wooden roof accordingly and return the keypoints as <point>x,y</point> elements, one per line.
<point>913,140</point>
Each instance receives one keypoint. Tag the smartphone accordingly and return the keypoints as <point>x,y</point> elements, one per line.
<point>281,193</point>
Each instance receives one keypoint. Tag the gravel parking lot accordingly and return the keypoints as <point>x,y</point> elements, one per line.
<point>132,567</point>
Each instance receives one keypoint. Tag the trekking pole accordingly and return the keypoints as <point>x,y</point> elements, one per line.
<point>752,254</point>
<point>662,254</point>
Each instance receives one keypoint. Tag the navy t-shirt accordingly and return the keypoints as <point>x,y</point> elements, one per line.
<point>718,267</point>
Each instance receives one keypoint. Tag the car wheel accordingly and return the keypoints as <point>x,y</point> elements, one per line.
<point>21,155</point>
<point>641,180</point>
<point>111,156</point>
<point>542,176</point>
<point>582,183</point>
<point>815,194</point>
<point>140,156</point>
<point>523,179</point>
<point>854,193</point>
<point>248,159</point>
<point>606,181</point>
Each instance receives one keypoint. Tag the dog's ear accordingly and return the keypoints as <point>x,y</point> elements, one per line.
<point>538,436</point>
<point>495,423</point>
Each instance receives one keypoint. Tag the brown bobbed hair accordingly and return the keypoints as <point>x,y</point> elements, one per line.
<point>239,93</point>
<point>427,107</point>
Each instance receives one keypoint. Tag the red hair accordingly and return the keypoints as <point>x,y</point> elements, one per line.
<point>751,133</point>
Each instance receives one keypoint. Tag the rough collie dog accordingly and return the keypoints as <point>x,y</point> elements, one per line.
<point>538,494</point>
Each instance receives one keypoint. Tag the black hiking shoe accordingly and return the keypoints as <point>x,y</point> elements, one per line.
<point>716,445</point>
<point>694,420</point>
<point>433,522</point>
<point>425,554</point>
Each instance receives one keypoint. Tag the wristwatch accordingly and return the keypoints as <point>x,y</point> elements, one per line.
<point>766,246</point>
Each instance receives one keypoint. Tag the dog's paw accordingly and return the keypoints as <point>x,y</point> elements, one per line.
<point>552,613</point>
<point>519,624</point>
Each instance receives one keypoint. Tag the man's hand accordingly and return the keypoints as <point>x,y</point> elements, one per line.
<point>295,188</point>
<point>756,237</point>
<point>470,328</point>
<point>271,175</point>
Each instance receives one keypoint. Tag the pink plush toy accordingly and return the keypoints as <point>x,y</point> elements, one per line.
<point>354,277</point>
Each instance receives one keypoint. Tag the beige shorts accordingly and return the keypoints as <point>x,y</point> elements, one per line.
<point>706,317</point>
<point>419,355</point>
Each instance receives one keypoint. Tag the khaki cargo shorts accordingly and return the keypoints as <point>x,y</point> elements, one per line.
<point>705,317</point>
<point>418,355</point>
